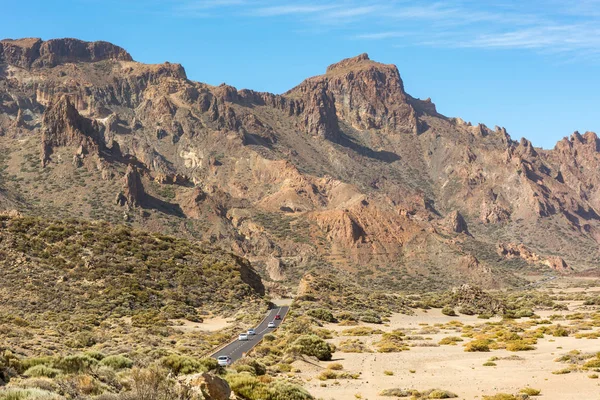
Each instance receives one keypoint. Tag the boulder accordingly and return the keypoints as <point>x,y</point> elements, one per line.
<point>210,386</point>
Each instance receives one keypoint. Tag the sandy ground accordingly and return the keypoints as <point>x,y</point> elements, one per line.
<point>212,324</point>
<point>451,368</point>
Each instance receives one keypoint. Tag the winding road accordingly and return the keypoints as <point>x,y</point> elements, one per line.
<point>236,349</point>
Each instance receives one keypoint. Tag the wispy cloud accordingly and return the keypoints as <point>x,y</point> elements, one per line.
<point>291,10</point>
<point>548,26</point>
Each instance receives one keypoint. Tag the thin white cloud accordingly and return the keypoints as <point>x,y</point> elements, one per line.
<point>276,11</point>
<point>381,35</point>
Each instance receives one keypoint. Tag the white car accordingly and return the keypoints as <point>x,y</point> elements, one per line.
<point>224,361</point>
<point>243,336</point>
<point>271,325</point>
<point>251,332</point>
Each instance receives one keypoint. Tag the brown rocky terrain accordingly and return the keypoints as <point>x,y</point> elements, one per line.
<point>345,172</point>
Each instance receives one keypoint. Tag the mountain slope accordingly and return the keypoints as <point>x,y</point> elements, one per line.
<point>345,172</point>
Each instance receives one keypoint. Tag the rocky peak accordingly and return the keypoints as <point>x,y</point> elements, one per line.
<point>36,53</point>
<point>363,93</point>
<point>64,126</point>
<point>350,63</point>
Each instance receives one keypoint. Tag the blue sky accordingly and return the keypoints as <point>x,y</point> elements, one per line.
<point>529,66</point>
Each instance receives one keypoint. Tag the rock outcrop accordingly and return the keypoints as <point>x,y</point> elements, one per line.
<point>210,386</point>
<point>64,126</point>
<point>34,53</point>
<point>133,190</point>
<point>558,264</point>
<point>456,223</point>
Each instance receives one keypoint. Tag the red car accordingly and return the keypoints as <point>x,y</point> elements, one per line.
<point>278,316</point>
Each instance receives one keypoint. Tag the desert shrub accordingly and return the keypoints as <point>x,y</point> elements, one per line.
<point>478,345</point>
<point>592,363</point>
<point>524,312</point>
<point>311,345</point>
<point>500,396</point>
<point>370,317</point>
<point>183,365</point>
<point>41,371</point>
<point>467,310</point>
<point>489,364</point>
<point>327,374</point>
<point>24,364</point>
<point>361,331</point>
<point>76,363</point>
<point>518,345</point>
<point>451,340</point>
<point>117,362</point>
<point>395,393</point>
<point>27,394</point>
<point>321,314</point>
<point>449,311</point>
<point>250,365</point>
<point>562,371</point>
<point>96,355</point>
<point>81,385</point>
<point>346,316</point>
<point>269,337</point>
<point>249,387</point>
<point>530,391</point>
<point>440,394</point>
<point>281,390</point>
<point>388,373</point>
<point>352,346</point>
<point>391,342</point>
<point>154,383</point>
<point>560,331</point>
<point>335,366</point>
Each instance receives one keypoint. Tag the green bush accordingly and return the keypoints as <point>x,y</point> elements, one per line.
<point>250,365</point>
<point>311,345</point>
<point>449,311</point>
<point>518,345</point>
<point>321,314</point>
<point>41,371</point>
<point>530,391</point>
<point>183,365</point>
<point>27,394</point>
<point>592,363</point>
<point>76,363</point>
<point>441,394</point>
<point>478,345</point>
<point>117,362</point>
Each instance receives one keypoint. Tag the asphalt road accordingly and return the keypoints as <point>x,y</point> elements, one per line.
<point>236,349</point>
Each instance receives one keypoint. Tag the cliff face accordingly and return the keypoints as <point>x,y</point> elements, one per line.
<point>346,171</point>
<point>36,53</point>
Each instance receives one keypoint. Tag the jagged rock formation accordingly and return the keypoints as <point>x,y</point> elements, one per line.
<point>64,126</point>
<point>456,223</point>
<point>511,250</point>
<point>345,171</point>
<point>133,189</point>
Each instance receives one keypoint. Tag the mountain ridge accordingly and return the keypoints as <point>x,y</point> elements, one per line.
<point>345,171</point>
